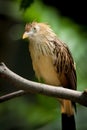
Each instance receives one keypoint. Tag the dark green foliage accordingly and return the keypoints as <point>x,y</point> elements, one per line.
<point>25,4</point>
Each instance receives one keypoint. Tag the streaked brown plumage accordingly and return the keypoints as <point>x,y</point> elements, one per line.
<point>52,62</point>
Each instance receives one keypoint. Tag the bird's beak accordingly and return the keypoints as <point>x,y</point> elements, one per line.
<point>25,35</point>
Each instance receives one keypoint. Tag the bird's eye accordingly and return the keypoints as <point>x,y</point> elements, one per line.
<point>34,29</point>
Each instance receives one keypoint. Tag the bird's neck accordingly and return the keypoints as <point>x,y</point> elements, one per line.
<point>43,47</point>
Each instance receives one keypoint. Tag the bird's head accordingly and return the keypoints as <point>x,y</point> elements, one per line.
<point>31,30</point>
<point>37,31</point>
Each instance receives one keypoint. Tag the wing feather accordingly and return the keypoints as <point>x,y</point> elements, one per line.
<point>64,65</point>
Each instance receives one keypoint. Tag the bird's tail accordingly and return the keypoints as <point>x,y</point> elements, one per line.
<point>68,119</point>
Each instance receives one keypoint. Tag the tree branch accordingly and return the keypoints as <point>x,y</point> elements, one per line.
<point>26,86</point>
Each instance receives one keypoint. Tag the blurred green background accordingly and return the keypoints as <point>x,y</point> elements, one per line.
<point>37,112</point>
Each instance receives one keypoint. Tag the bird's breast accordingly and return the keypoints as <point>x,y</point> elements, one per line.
<point>44,68</point>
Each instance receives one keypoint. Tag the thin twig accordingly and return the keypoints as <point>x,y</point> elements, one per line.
<point>12,95</point>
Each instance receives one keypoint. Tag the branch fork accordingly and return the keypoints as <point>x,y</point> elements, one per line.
<point>27,86</point>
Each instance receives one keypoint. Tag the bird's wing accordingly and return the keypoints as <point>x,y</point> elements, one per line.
<point>64,65</point>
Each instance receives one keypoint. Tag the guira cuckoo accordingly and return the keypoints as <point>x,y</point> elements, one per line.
<point>53,62</point>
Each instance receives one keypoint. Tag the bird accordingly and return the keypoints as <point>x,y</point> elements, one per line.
<point>53,63</point>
